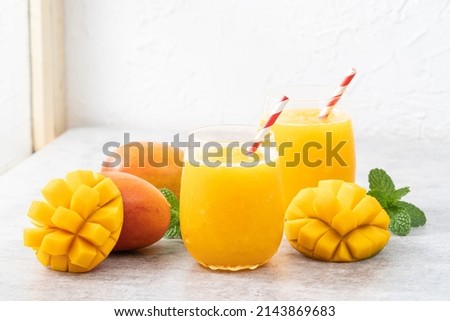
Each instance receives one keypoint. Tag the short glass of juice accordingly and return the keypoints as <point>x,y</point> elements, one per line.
<point>311,149</point>
<point>231,203</point>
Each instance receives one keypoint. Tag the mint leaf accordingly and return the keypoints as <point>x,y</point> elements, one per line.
<point>399,193</point>
<point>171,198</point>
<point>380,180</point>
<point>403,215</point>
<point>400,223</point>
<point>388,199</point>
<point>391,211</point>
<point>416,214</point>
<point>174,231</point>
<point>381,198</point>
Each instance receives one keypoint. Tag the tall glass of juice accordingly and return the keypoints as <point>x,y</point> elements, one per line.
<point>231,203</point>
<point>311,149</point>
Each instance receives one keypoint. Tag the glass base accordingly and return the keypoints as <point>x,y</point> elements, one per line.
<point>231,268</point>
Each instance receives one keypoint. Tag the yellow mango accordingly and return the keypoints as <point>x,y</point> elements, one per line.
<point>367,209</point>
<point>302,204</point>
<point>57,243</point>
<point>326,206</point>
<point>107,191</point>
<point>78,224</point>
<point>292,227</point>
<point>344,221</point>
<point>350,194</point>
<point>331,185</point>
<point>106,215</point>
<point>57,193</point>
<point>81,177</point>
<point>66,219</point>
<point>82,253</point>
<point>326,245</point>
<point>94,233</point>
<point>336,221</point>
<point>41,213</point>
<point>84,201</point>
<point>33,236</point>
<point>359,245</point>
<point>310,233</point>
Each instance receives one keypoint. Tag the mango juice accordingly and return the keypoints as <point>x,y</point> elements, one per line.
<point>311,149</point>
<point>231,215</point>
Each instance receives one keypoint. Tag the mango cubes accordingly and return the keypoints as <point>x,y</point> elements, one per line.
<point>78,224</point>
<point>336,222</point>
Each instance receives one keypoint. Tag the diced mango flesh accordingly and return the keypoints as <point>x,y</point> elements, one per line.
<point>344,221</point>
<point>336,222</point>
<point>33,236</point>
<point>326,245</point>
<point>326,206</point>
<point>94,233</point>
<point>81,177</point>
<point>57,193</point>
<point>331,185</point>
<point>57,243</point>
<point>82,253</point>
<point>303,204</point>
<point>41,213</point>
<point>78,224</point>
<point>84,201</point>
<point>310,233</point>
<point>107,191</point>
<point>67,219</point>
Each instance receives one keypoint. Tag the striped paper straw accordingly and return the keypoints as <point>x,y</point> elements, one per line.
<point>265,130</point>
<point>337,94</point>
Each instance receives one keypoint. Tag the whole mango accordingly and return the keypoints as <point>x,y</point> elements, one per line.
<point>146,212</point>
<point>157,163</point>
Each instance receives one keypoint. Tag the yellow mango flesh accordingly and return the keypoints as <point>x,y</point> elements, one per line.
<point>337,222</point>
<point>78,223</point>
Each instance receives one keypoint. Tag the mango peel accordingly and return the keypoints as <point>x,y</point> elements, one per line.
<point>337,222</point>
<point>78,223</point>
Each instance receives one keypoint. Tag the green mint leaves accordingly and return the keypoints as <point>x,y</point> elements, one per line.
<point>403,215</point>
<point>174,231</point>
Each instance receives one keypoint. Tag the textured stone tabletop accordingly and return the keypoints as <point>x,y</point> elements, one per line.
<point>416,267</point>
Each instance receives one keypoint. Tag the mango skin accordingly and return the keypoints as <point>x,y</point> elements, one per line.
<point>154,162</point>
<point>336,222</point>
<point>146,212</point>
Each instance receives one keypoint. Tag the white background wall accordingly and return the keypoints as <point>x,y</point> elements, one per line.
<point>180,64</point>
<point>15,121</point>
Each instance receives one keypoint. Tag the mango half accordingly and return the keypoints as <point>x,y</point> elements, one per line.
<point>337,222</point>
<point>78,223</point>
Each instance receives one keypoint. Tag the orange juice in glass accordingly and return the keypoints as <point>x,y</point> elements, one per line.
<point>311,149</point>
<point>231,204</point>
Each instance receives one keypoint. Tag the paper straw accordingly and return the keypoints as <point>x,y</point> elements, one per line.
<point>263,131</point>
<point>337,94</point>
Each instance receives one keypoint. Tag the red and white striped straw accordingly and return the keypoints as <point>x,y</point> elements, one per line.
<point>263,131</point>
<point>337,94</point>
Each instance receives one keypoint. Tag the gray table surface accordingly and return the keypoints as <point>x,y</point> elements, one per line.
<point>415,267</point>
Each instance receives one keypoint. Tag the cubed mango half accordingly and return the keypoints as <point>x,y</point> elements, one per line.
<point>77,224</point>
<point>337,222</point>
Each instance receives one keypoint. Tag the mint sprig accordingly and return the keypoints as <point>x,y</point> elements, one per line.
<point>174,231</point>
<point>403,215</point>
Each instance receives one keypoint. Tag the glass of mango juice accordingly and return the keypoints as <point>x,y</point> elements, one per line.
<point>231,202</point>
<point>310,148</point>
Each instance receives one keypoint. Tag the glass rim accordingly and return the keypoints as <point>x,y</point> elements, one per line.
<point>252,131</point>
<point>283,90</point>
<point>223,139</point>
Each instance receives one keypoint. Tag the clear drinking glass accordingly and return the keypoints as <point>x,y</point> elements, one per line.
<point>231,207</point>
<point>311,149</point>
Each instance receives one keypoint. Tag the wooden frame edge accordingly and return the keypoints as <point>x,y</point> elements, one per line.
<point>48,89</point>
